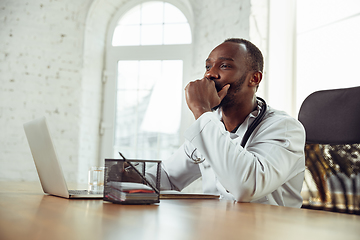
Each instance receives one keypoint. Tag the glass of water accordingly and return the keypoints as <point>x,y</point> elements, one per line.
<point>96,179</point>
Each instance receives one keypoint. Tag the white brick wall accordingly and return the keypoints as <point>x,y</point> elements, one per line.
<point>51,61</point>
<point>41,55</point>
<point>214,22</point>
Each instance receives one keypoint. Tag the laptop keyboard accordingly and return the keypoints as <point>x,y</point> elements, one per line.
<point>84,192</point>
<point>79,192</point>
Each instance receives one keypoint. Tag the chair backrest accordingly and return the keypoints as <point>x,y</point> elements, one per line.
<point>332,116</point>
<point>331,119</point>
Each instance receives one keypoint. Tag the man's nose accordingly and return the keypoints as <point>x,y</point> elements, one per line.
<point>212,74</point>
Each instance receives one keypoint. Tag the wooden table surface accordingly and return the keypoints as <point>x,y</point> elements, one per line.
<point>26,213</point>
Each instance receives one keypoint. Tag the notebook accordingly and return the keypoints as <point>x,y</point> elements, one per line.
<point>47,163</point>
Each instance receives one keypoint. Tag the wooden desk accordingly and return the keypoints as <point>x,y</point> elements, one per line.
<point>25,213</point>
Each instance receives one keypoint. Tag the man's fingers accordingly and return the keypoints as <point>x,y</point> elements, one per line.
<point>222,93</point>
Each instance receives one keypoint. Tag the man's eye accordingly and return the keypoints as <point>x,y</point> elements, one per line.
<point>207,67</point>
<point>225,66</point>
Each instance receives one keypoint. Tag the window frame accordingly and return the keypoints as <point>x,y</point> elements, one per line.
<point>113,54</point>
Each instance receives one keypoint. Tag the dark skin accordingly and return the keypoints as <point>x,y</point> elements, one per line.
<point>228,81</point>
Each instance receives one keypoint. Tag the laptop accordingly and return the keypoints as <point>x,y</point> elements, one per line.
<point>47,163</point>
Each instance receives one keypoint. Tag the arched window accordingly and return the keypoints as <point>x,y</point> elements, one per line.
<point>152,23</point>
<point>147,59</point>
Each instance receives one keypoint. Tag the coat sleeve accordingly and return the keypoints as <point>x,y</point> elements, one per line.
<point>273,155</point>
<point>177,172</point>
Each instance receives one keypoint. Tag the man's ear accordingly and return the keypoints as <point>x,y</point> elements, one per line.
<point>255,79</point>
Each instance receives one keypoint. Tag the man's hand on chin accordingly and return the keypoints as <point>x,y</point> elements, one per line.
<point>201,96</point>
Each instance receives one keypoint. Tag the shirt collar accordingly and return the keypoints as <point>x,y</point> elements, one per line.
<point>249,119</point>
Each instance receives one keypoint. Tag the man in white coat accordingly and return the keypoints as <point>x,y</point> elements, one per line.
<point>269,167</point>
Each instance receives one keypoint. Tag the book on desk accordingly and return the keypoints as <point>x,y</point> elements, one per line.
<point>118,190</point>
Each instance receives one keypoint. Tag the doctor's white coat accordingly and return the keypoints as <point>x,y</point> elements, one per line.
<point>269,169</point>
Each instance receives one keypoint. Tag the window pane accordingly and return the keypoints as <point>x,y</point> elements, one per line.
<point>326,57</point>
<point>169,87</point>
<point>148,74</point>
<point>152,34</point>
<point>132,17</point>
<point>152,12</point>
<point>173,15</point>
<point>126,77</point>
<point>126,36</point>
<point>143,99</point>
<point>147,154</point>
<point>126,99</point>
<point>144,25</point>
<point>142,128</point>
<point>177,33</point>
<point>313,14</point>
<point>126,110</point>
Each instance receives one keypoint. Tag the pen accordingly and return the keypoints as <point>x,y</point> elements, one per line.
<point>128,167</point>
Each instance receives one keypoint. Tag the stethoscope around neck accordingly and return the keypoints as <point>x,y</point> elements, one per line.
<point>255,123</point>
<point>247,134</point>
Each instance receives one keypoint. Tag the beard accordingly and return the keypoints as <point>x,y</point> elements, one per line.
<point>230,98</point>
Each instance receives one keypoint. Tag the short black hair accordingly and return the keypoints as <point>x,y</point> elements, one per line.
<point>255,58</point>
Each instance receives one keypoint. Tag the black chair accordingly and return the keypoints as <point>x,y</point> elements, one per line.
<point>332,123</point>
